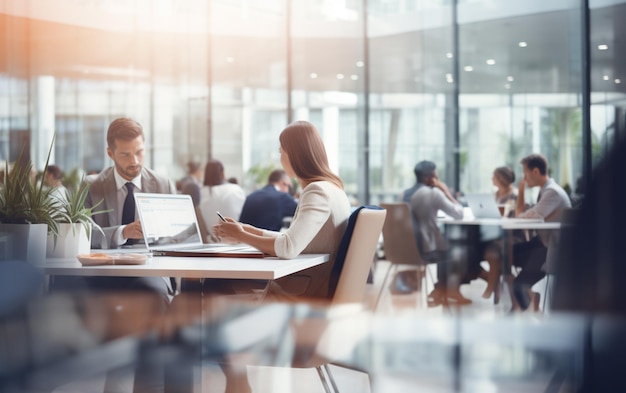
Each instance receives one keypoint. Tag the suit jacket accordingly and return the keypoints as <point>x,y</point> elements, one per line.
<point>266,208</point>
<point>102,187</point>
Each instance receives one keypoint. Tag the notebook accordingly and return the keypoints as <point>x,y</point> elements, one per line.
<point>170,228</point>
<point>483,205</point>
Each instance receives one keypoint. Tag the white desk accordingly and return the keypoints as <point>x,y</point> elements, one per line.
<point>505,223</point>
<point>269,268</point>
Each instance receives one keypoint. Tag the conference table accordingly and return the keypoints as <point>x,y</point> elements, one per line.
<point>506,224</point>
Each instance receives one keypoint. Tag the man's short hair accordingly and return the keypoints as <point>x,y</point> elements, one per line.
<point>424,169</point>
<point>276,175</point>
<point>125,129</point>
<point>193,167</point>
<point>538,161</point>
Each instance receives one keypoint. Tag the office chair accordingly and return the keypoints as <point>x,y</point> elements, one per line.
<point>316,336</point>
<point>400,244</point>
<point>331,335</point>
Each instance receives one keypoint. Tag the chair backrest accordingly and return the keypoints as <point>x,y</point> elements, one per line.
<point>356,254</point>
<point>399,241</point>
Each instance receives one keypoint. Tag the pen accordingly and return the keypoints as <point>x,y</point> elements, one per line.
<point>221,216</point>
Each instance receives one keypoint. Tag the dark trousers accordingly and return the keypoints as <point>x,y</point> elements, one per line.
<point>530,256</point>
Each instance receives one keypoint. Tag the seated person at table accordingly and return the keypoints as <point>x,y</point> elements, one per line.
<point>431,195</point>
<point>266,208</point>
<point>531,255</point>
<point>489,246</point>
<point>116,185</point>
<point>318,223</point>
<point>218,195</point>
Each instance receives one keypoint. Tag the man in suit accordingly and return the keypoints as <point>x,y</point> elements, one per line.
<point>266,208</point>
<point>125,140</point>
<point>115,185</point>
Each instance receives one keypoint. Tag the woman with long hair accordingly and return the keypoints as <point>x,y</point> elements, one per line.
<point>318,223</point>
<point>219,195</point>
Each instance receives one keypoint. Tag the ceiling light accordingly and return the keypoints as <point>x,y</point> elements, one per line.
<point>618,81</point>
<point>354,77</point>
<point>510,78</point>
<point>360,64</point>
<point>491,61</point>
<point>449,78</point>
<point>313,75</point>
<point>605,77</point>
<point>449,55</point>
<point>230,59</point>
<point>339,76</point>
<point>603,47</point>
<point>468,68</point>
<point>522,44</point>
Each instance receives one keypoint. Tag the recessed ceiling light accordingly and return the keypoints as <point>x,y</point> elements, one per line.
<point>510,78</point>
<point>507,86</point>
<point>354,77</point>
<point>605,77</point>
<point>230,59</point>
<point>360,64</point>
<point>339,76</point>
<point>603,47</point>
<point>522,44</point>
<point>618,81</point>
<point>313,75</point>
<point>449,78</point>
<point>449,55</point>
<point>468,68</point>
<point>491,61</point>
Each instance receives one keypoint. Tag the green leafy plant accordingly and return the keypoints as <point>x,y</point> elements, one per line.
<point>23,201</point>
<point>72,208</point>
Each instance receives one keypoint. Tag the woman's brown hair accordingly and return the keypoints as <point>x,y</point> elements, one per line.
<point>213,173</point>
<point>307,154</point>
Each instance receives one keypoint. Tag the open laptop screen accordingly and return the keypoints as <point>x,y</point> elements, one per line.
<point>168,219</point>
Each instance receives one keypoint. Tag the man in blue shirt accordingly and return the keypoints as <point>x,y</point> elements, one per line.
<point>266,208</point>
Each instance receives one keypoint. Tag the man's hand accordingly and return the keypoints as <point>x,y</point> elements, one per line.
<point>444,188</point>
<point>133,230</point>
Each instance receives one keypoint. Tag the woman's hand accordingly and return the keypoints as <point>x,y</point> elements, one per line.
<point>229,231</point>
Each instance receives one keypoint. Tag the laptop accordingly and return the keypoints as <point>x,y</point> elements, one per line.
<point>483,205</point>
<point>170,228</point>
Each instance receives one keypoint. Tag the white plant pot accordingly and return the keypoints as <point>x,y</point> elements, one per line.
<point>71,240</point>
<point>23,242</point>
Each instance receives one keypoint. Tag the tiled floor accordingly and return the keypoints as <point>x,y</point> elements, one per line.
<point>287,380</point>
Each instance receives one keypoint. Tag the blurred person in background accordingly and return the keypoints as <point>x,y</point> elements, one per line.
<point>218,195</point>
<point>266,208</point>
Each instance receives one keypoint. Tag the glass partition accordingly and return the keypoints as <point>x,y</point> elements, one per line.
<point>520,89</point>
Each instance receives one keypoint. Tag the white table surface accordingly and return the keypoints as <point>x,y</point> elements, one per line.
<point>269,268</point>
<point>504,223</point>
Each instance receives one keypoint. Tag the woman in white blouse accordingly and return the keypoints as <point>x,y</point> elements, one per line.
<point>318,223</point>
<point>219,195</point>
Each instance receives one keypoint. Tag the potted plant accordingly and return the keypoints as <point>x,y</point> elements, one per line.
<point>27,213</point>
<point>74,223</point>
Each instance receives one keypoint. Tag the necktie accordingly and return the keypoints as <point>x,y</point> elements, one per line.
<point>128,212</point>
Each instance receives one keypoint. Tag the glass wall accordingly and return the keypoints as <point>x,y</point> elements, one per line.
<point>520,84</point>
<point>411,92</point>
<point>327,75</point>
<point>608,75</point>
<point>470,84</point>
